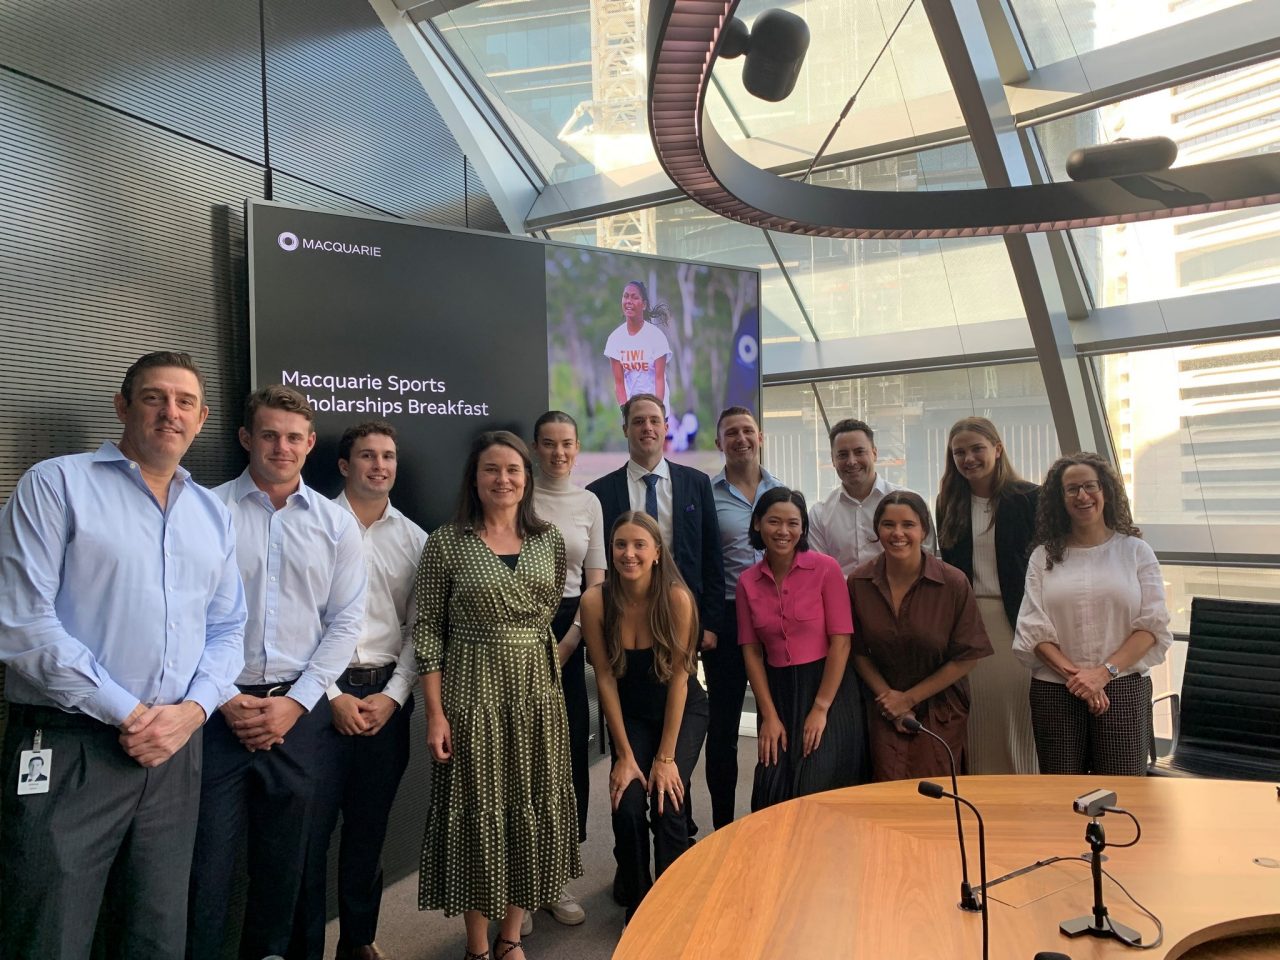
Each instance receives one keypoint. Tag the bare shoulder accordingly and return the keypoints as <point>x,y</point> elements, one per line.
<point>592,603</point>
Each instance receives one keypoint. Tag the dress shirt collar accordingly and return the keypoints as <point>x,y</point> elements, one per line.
<point>804,561</point>
<point>391,513</point>
<point>110,453</point>
<point>880,486</point>
<point>638,473</point>
<point>767,480</point>
<point>875,571</point>
<point>244,486</point>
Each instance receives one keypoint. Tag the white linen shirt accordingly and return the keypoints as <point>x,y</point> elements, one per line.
<point>304,585</point>
<point>1090,603</point>
<point>841,527</point>
<point>637,488</point>
<point>392,548</point>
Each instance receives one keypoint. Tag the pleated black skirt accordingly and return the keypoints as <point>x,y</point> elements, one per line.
<point>841,757</point>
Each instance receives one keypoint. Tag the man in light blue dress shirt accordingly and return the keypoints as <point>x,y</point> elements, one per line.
<point>736,489</point>
<point>121,631</point>
<point>303,567</point>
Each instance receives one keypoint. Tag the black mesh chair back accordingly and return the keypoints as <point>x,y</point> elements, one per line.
<point>1229,724</point>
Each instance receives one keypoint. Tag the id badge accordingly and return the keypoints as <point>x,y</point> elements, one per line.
<point>35,766</point>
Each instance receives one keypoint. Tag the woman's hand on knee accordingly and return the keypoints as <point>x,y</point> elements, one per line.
<point>667,784</point>
<point>623,774</point>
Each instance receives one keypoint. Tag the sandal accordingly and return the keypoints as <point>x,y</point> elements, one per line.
<point>468,955</point>
<point>509,944</point>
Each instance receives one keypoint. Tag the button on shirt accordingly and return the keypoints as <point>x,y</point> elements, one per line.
<point>795,623</point>
<point>733,513</point>
<point>304,582</point>
<point>841,527</point>
<point>636,487</point>
<point>392,547</point>
<point>109,600</point>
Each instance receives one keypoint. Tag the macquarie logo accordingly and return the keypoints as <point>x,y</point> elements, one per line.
<point>290,242</point>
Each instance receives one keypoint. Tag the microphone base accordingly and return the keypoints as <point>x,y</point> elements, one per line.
<point>970,904</point>
<point>1080,926</point>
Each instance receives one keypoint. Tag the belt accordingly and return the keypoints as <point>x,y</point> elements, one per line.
<point>31,715</point>
<point>265,689</point>
<point>369,676</point>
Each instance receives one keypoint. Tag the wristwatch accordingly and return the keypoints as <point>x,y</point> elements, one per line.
<point>1112,669</point>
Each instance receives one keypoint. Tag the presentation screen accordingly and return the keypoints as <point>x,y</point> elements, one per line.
<point>447,332</point>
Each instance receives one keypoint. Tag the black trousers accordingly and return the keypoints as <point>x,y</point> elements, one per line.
<point>263,797</point>
<point>358,777</point>
<point>726,689</point>
<point>637,811</point>
<point>110,839</point>
<point>574,682</point>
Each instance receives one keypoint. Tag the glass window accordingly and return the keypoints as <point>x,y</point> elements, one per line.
<point>1197,433</point>
<point>1229,115</point>
<point>911,414</point>
<point>1060,29</point>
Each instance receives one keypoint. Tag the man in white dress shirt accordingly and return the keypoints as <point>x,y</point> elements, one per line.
<point>304,575</point>
<point>371,702</point>
<point>840,525</point>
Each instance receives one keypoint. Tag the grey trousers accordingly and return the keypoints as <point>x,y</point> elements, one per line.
<point>110,838</point>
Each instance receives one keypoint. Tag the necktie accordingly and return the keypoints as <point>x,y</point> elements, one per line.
<point>651,494</point>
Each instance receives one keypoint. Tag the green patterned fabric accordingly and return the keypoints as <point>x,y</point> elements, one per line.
<point>502,823</point>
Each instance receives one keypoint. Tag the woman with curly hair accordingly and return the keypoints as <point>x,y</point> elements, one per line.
<point>1093,623</point>
<point>638,351</point>
<point>986,522</point>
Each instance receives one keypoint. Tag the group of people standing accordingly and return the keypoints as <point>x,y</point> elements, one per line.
<point>286,630</point>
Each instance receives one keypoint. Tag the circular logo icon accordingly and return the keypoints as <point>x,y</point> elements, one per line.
<point>288,241</point>
<point>748,350</point>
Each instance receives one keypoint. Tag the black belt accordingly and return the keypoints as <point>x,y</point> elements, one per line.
<point>31,715</point>
<point>265,689</point>
<point>369,676</point>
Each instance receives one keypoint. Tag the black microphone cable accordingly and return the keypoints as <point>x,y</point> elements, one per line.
<point>968,901</point>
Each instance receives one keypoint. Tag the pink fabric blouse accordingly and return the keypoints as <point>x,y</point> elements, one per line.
<point>794,624</point>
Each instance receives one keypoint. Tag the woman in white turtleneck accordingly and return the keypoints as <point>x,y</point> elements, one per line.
<point>577,513</point>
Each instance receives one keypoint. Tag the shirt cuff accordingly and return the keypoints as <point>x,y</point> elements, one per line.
<point>206,694</point>
<point>110,703</point>
<point>333,691</point>
<point>398,688</point>
<point>306,691</point>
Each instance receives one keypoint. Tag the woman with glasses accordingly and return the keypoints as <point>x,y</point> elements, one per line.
<point>1093,623</point>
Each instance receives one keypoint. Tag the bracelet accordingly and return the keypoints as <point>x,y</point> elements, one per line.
<point>665,759</point>
<point>578,624</point>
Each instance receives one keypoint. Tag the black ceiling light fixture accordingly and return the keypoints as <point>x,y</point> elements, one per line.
<point>1116,185</point>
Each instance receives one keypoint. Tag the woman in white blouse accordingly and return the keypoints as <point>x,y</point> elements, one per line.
<point>1093,623</point>
<point>577,513</point>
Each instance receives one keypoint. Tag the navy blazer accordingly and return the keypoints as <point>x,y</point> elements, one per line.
<point>693,527</point>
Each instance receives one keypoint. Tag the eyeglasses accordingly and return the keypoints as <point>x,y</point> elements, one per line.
<point>1074,490</point>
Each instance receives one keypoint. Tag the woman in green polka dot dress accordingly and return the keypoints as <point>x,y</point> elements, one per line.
<point>502,828</point>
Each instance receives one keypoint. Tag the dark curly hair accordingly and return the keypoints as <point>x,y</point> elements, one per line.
<point>1053,523</point>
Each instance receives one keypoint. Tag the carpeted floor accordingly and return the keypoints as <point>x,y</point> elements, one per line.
<point>406,934</point>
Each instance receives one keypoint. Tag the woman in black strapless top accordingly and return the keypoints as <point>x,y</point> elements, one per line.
<point>641,627</point>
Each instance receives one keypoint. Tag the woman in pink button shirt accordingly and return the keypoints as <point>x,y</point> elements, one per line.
<point>794,625</point>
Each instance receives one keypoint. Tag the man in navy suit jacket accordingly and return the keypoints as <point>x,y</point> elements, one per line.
<point>686,508</point>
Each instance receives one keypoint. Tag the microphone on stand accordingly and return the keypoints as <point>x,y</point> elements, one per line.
<point>935,792</point>
<point>968,901</point>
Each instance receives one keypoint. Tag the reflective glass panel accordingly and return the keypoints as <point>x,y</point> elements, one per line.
<point>1229,115</point>
<point>1196,430</point>
<point>911,414</point>
<point>1058,29</point>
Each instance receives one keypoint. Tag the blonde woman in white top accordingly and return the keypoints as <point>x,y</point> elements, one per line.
<point>577,514</point>
<point>1093,623</point>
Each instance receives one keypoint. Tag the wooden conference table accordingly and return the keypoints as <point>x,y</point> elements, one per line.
<point>874,872</point>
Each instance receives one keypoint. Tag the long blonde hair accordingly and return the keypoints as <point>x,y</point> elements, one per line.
<point>668,652</point>
<point>953,508</point>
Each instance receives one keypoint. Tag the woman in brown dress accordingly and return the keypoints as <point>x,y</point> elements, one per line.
<point>917,634</point>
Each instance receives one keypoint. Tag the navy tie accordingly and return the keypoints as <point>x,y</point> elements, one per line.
<point>651,495</point>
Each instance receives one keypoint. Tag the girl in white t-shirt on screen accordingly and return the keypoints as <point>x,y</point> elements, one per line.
<point>637,349</point>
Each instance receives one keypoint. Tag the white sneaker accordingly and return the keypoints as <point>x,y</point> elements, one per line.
<point>567,910</point>
<point>526,925</point>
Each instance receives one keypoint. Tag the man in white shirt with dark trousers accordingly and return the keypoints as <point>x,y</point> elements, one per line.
<point>264,751</point>
<point>371,702</point>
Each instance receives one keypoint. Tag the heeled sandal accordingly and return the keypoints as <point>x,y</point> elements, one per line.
<point>468,955</point>
<point>509,944</point>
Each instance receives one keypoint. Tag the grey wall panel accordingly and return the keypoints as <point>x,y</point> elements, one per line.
<point>115,238</point>
<point>482,214</point>
<point>345,112</point>
<point>189,65</point>
<point>287,189</point>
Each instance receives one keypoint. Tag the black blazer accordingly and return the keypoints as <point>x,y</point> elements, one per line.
<point>1015,531</point>
<point>693,527</point>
